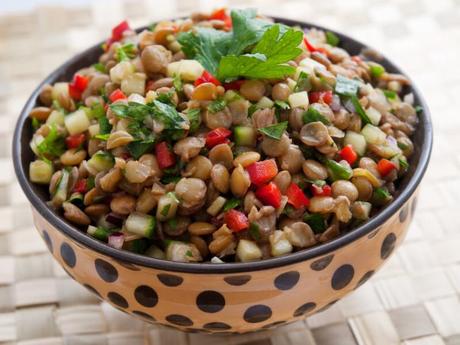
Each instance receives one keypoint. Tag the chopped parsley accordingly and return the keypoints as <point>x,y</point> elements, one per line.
<point>99,67</point>
<point>53,144</point>
<point>274,131</point>
<point>164,211</point>
<point>125,52</point>
<point>103,137</point>
<point>316,222</point>
<point>189,253</point>
<point>177,83</point>
<point>217,105</point>
<point>313,115</point>
<point>376,70</point>
<point>390,94</point>
<point>254,231</point>
<point>282,105</point>
<point>332,39</point>
<point>418,109</point>
<point>194,117</point>
<point>359,110</point>
<point>303,82</point>
<point>230,204</point>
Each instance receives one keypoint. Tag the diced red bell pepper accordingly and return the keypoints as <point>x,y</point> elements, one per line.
<point>262,172</point>
<point>207,77</point>
<point>77,86</point>
<point>384,167</point>
<point>221,14</point>
<point>296,196</point>
<point>325,190</point>
<point>75,141</point>
<point>236,220</point>
<point>164,156</point>
<point>217,136</point>
<point>317,96</point>
<point>269,194</point>
<point>117,31</point>
<point>234,85</point>
<point>348,154</point>
<point>116,95</point>
<point>80,186</point>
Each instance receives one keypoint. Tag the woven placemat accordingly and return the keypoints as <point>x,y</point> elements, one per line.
<point>413,300</point>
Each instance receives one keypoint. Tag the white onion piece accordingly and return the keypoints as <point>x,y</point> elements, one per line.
<point>116,240</point>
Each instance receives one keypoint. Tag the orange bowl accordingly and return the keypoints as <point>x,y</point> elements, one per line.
<point>231,297</point>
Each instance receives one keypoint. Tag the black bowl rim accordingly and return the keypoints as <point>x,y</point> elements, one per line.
<point>209,268</point>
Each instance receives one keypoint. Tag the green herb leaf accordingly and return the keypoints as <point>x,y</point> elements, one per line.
<point>217,105</point>
<point>359,110</point>
<point>231,203</point>
<point>313,115</point>
<point>35,124</point>
<point>316,221</point>
<point>390,94</point>
<point>104,125</point>
<point>138,148</point>
<point>167,97</point>
<point>194,117</point>
<point>381,196</point>
<point>376,70</point>
<point>332,39</point>
<point>267,59</point>
<point>53,145</point>
<point>339,171</point>
<point>418,109</point>
<point>177,83</point>
<point>274,131</point>
<point>102,137</point>
<point>206,46</point>
<point>345,86</point>
<point>252,109</point>
<point>282,105</point>
<point>303,82</point>
<point>254,231</point>
<point>172,223</point>
<point>403,162</point>
<point>99,67</point>
<point>164,211</point>
<point>125,52</point>
<point>189,253</point>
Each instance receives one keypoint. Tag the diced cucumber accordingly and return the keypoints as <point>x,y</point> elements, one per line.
<point>94,130</point>
<point>121,71</point>
<point>77,200</point>
<point>141,224</point>
<point>36,140</point>
<point>101,161</point>
<point>244,136</point>
<point>188,70</point>
<point>265,102</point>
<point>40,171</point>
<point>299,99</point>
<point>56,118</point>
<point>339,171</point>
<point>373,134</point>
<point>231,95</point>
<point>134,84</point>
<point>374,115</point>
<point>357,141</point>
<point>58,89</point>
<point>101,234</point>
<point>248,251</point>
<point>60,194</point>
<point>361,210</point>
<point>76,122</point>
<point>167,206</point>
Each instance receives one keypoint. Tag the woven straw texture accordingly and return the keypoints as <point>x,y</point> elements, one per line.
<point>413,300</point>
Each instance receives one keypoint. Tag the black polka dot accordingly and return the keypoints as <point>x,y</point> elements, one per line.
<point>117,299</point>
<point>342,276</point>
<point>106,271</point>
<point>374,233</point>
<point>257,313</point>
<point>170,279</point>
<point>217,326</point>
<point>128,266</point>
<point>414,206</point>
<point>322,263</point>
<point>47,239</point>
<point>93,290</point>
<point>404,213</point>
<point>143,315</point>
<point>68,255</point>
<point>237,280</point>
<point>304,309</point>
<point>365,278</point>
<point>388,245</point>
<point>146,296</point>
<point>210,301</point>
<point>287,280</point>
<point>179,320</point>
<point>273,324</point>
<point>195,330</point>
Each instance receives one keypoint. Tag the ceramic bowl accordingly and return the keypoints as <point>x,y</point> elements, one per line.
<point>233,297</point>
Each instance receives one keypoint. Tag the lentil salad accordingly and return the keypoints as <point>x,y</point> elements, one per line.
<point>222,137</point>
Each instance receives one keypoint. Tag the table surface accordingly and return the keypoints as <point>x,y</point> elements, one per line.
<point>413,300</point>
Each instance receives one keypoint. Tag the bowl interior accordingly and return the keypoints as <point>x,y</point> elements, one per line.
<point>38,195</point>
